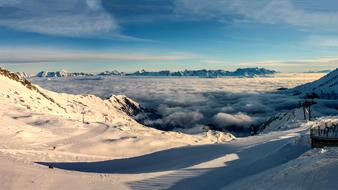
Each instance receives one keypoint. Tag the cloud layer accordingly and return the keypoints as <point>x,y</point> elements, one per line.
<point>229,103</point>
<point>29,55</point>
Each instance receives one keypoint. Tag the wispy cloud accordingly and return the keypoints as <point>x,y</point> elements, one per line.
<point>140,11</point>
<point>264,11</point>
<point>63,17</point>
<point>291,65</point>
<point>213,61</point>
<point>22,55</point>
<point>322,41</point>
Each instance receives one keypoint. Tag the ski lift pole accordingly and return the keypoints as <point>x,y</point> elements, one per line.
<point>309,113</point>
<point>105,118</point>
<point>83,116</point>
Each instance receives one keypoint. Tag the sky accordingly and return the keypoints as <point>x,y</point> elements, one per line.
<point>130,35</point>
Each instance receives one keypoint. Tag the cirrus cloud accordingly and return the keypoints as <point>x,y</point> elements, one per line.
<point>63,17</point>
<point>296,13</point>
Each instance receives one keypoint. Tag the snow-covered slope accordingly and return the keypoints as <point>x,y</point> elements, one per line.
<point>287,120</point>
<point>277,160</point>
<point>325,87</point>
<point>325,122</point>
<point>283,121</point>
<point>315,169</point>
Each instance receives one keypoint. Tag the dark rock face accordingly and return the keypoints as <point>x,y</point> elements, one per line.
<point>142,115</point>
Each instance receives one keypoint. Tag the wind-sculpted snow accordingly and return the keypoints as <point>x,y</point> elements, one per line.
<point>233,103</point>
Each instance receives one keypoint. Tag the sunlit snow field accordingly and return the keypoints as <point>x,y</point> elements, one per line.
<point>190,102</point>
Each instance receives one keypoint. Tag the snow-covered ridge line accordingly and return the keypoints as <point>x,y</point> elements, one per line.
<point>16,77</point>
<point>283,121</point>
<point>241,72</point>
<point>68,103</point>
<point>325,87</point>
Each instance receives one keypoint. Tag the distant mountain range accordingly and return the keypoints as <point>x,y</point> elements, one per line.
<point>111,73</point>
<point>242,72</point>
<point>246,72</point>
<point>62,74</point>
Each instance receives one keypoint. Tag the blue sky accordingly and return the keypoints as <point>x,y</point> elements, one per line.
<point>129,35</point>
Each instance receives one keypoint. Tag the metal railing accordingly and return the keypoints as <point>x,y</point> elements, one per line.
<point>325,132</point>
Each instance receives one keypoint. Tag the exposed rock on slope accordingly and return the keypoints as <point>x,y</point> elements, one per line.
<point>283,121</point>
<point>287,120</point>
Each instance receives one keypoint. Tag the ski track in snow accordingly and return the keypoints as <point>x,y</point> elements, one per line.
<point>252,155</point>
<point>84,136</point>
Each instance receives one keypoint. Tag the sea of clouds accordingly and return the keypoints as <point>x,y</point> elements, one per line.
<point>234,104</point>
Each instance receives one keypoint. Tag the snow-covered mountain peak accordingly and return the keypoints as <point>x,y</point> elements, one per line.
<point>128,105</point>
<point>62,73</point>
<point>15,76</point>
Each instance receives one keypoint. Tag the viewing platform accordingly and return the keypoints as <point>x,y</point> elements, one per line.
<point>324,136</point>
